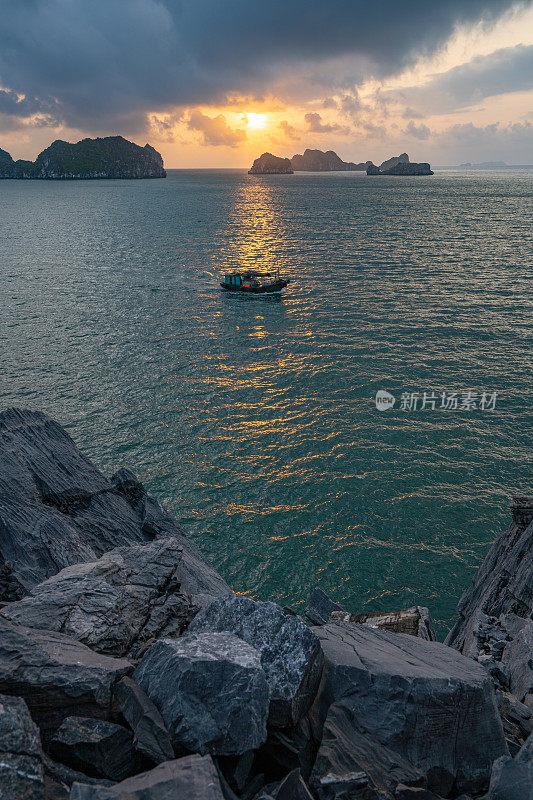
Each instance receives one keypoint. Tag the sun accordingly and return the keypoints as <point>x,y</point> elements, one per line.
<point>255,121</point>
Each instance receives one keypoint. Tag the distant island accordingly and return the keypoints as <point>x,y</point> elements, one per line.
<point>400,165</point>
<point>483,165</point>
<point>329,161</point>
<point>89,159</point>
<point>267,164</point>
<point>318,161</point>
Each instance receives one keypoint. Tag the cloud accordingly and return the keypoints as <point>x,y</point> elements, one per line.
<point>215,130</point>
<point>507,70</point>
<point>329,102</point>
<point>108,62</point>
<point>288,130</point>
<point>315,125</point>
<point>417,131</point>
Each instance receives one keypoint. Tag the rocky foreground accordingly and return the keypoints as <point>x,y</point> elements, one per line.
<point>108,157</point>
<point>130,671</point>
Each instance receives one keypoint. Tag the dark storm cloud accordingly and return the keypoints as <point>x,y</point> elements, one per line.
<point>106,62</point>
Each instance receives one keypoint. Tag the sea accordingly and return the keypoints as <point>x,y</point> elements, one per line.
<point>254,418</point>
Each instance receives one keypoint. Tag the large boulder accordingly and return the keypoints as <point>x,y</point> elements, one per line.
<point>56,675</point>
<point>118,603</point>
<point>503,585</point>
<point>96,747</point>
<point>21,768</point>
<point>421,699</point>
<point>191,778</point>
<point>348,759</point>
<point>414,621</point>
<point>57,509</point>
<point>151,736</point>
<point>211,691</point>
<point>511,779</point>
<point>290,652</point>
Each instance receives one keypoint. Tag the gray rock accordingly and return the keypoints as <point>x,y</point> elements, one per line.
<point>518,660</point>
<point>96,747</point>
<point>288,749</point>
<point>504,582</point>
<point>21,769</point>
<point>526,752</point>
<point>151,736</point>
<point>511,779</point>
<point>211,691</point>
<point>414,793</point>
<point>414,621</point>
<point>346,751</point>
<point>118,603</point>
<point>57,676</point>
<point>290,652</point>
<point>517,721</point>
<point>293,787</point>
<point>57,509</point>
<point>421,699</point>
<point>320,607</point>
<point>191,778</point>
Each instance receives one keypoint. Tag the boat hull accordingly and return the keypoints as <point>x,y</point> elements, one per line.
<point>278,286</point>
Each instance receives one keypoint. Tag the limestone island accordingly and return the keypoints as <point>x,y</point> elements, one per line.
<point>399,165</point>
<point>267,164</point>
<point>318,161</point>
<point>129,668</point>
<point>89,159</point>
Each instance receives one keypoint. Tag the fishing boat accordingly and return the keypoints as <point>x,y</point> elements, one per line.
<point>254,282</point>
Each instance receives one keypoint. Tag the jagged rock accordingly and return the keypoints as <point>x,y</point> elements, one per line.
<point>96,747</point>
<point>286,750</point>
<point>293,787</point>
<point>403,158</point>
<point>517,721</point>
<point>57,676</point>
<point>414,793</point>
<point>415,621</point>
<point>517,657</point>
<point>320,607</point>
<point>346,751</point>
<point>511,779</point>
<point>236,770</point>
<point>191,778</point>
<point>211,691</point>
<point>59,778</point>
<point>432,706</point>
<point>267,164</point>
<point>503,584</point>
<point>127,597</point>
<point>57,509</point>
<point>318,161</point>
<point>21,768</point>
<point>151,736</point>
<point>290,652</point>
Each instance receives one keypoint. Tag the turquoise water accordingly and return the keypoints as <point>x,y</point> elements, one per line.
<point>253,418</point>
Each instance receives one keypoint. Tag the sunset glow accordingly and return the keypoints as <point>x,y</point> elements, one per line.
<point>255,121</point>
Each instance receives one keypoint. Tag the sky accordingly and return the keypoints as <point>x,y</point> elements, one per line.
<point>215,84</point>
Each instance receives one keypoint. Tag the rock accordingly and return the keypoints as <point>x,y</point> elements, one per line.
<point>290,652</point>
<point>517,657</point>
<point>59,778</point>
<point>293,787</point>
<point>320,607</point>
<point>414,793</point>
<point>108,157</point>
<point>415,621</point>
<point>400,167</point>
<point>211,691</point>
<point>346,751</point>
<point>191,778</point>
<point>57,676</point>
<point>96,747</point>
<point>151,736</point>
<point>511,779</point>
<point>526,752</point>
<point>420,699</point>
<point>403,158</point>
<point>517,721</point>
<point>318,161</point>
<point>21,769</point>
<point>267,164</point>
<point>236,770</point>
<point>286,750</point>
<point>503,584</point>
<point>57,509</point>
<point>127,597</point>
